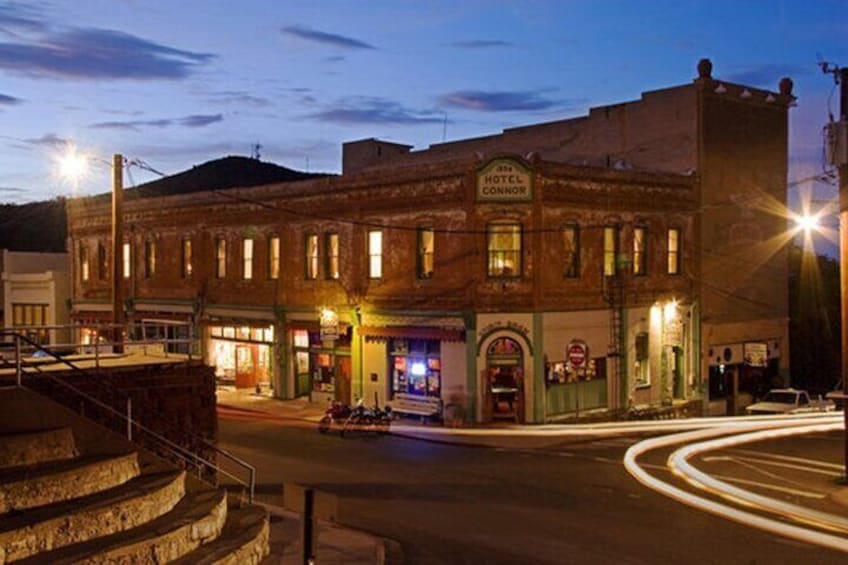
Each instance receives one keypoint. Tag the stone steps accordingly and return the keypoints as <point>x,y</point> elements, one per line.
<point>39,485</point>
<point>37,446</point>
<point>45,528</point>
<point>102,500</point>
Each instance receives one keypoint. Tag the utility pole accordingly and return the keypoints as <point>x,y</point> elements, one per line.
<point>117,247</point>
<point>837,140</point>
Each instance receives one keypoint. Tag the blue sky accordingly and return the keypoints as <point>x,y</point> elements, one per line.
<point>178,83</point>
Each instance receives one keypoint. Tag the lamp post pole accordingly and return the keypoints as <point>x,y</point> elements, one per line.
<point>842,77</point>
<point>117,245</point>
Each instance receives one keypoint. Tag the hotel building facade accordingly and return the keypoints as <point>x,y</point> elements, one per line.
<point>631,257</point>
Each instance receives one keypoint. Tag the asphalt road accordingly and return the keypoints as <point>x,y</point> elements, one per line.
<point>571,503</point>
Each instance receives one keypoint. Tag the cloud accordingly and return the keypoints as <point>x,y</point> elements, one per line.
<point>367,110</point>
<point>6,100</point>
<point>200,120</point>
<point>12,190</point>
<point>238,97</point>
<point>97,54</point>
<point>49,139</point>
<point>335,59</point>
<point>14,16</point>
<point>132,125</point>
<point>481,44</point>
<point>197,120</point>
<point>498,101</point>
<point>766,75</point>
<point>326,38</point>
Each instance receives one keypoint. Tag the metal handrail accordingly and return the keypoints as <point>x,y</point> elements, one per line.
<point>184,454</point>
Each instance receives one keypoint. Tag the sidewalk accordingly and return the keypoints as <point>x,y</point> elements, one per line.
<point>500,435</point>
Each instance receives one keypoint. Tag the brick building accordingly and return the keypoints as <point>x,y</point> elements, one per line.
<point>586,264</point>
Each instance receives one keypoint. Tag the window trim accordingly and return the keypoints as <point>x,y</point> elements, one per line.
<point>83,262</point>
<point>572,270</point>
<point>375,259</point>
<point>675,254</point>
<point>220,257</point>
<point>422,254</point>
<point>331,256</point>
<point>640,253</point>
<point>126,260</point>
<point>186,266</point>
<point>610,268</point>
<point>247,248</point>
<point>311,262</point>
<point>493,228</point>
<point>273,257</point>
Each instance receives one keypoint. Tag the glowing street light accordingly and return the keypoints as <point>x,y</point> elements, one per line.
<point>74,165</point>
<point>807,222</point>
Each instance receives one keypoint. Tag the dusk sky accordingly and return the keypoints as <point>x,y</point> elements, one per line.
<point>179,83</point>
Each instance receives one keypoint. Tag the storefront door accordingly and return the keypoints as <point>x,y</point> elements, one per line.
<point>504,380</point>
<point>245,366</point>
<point>342,390</point>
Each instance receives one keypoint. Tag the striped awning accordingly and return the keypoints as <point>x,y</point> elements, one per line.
<point>412,332</point>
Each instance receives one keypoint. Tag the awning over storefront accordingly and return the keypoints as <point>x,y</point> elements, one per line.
<point>386,332</point>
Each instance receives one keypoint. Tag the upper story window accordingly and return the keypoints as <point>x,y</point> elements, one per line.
<point>311,257</point>
<point>220,258</point>
<point>640,241</point>
<point>610,249</point>
<point>571,251</point>
<point>504,250</point>
<point>273,257</point>
<point>375,254</point>
<point>673,251</point>
<point>247,258</point>
<point>127,260</point>
<point>149,258</point>
<point>426,252</point>
<point>331,255</point>
<point>83,261</point>
<point>186,259</point>
<point>101,261</point>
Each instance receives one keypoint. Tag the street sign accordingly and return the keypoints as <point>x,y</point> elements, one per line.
<point>576,354</point>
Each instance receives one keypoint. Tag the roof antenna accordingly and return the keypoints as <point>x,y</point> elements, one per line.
<point>254,153</point>
<point>445,127</point>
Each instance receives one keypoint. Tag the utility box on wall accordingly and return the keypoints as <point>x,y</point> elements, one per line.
<point>837,143</point>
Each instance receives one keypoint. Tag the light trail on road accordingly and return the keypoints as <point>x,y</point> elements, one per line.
<point>755,431</point>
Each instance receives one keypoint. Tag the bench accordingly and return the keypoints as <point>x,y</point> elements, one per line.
<point>423,406</point>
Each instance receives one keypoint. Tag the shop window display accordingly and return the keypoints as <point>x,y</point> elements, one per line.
<point>416,367</point>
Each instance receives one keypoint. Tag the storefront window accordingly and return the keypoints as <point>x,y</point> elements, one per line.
<point>416,366</point>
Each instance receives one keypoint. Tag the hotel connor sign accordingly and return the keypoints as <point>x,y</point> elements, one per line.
<point>504,180</point>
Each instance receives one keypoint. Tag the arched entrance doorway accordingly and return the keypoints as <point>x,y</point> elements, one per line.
<point>504,380</point>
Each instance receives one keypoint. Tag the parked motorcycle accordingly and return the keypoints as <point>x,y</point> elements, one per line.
<point>335,416</point>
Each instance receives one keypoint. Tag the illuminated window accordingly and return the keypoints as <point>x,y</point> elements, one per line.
<point>101,261</point>
<point>274,257</point>
<point>312,257</point>
<point>426,250</point>
<point>331,255</point>
<point>32,315</point>
<point>247,258</point>
<point>149,259</point>
<point>127,260</point>
<point>220,258</point>
<point>375,254</point>
<point>504,250</point>
<point>610,249</point>
<point>187,266</point>
<point>640,237</point>
<point>642,369</point>
<point>673,251</point>
<point>571,251</point>
<point>83,262</point>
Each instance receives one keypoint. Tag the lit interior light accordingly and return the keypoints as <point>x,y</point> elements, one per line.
<point>418,369</point>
